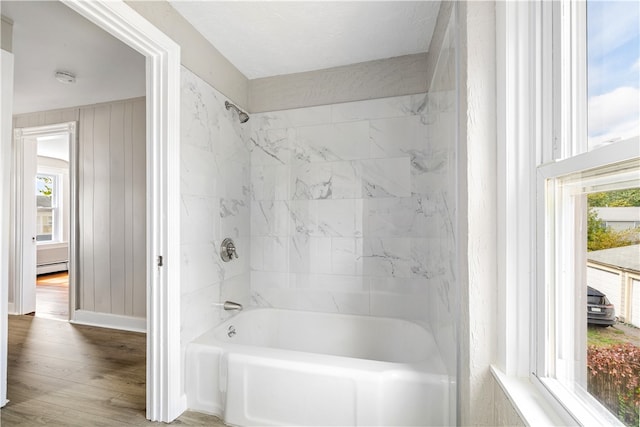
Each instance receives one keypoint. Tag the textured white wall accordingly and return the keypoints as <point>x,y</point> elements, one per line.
<point>402,75</point>
<point>479,211</point>
<point>504,413</point>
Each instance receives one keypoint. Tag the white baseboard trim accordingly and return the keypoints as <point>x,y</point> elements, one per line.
<point>111,321</point>
<point>52,268</point>
<point>11,308</point>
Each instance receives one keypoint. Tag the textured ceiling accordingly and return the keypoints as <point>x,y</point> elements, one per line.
<point>269,38</point>
<point>264,38</point>
<point>48,36</point>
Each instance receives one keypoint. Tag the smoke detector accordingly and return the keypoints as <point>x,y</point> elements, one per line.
<point>65,77</point>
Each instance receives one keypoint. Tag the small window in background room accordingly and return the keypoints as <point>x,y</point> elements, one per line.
<point>47,205</point>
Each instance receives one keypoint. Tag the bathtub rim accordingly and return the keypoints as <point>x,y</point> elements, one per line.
<point>432,365</point>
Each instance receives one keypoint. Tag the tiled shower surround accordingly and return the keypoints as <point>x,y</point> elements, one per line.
<point>345,208</point>
<point>215,174</point>
<point>350,210</point>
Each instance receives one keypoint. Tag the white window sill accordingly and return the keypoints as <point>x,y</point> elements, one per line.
<point>536,408</point>
<point>529,403</point>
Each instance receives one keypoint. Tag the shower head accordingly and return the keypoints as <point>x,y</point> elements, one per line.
<point>242,116</point>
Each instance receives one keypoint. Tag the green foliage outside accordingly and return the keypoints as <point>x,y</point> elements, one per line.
<point>47,185</point>
<point>611,199</point>
<point>599,236</point>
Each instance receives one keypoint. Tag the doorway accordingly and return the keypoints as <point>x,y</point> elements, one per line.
<point>45,221</point>
<point>164,397</point>
<point>53,222</point>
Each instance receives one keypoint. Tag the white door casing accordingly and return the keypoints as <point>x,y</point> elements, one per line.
<point>6,102</point>
<point>165,395</point>
<point>24,223</point>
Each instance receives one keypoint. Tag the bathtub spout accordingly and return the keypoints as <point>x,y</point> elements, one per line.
<point>230,305</point>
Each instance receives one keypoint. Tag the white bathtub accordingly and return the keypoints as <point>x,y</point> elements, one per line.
<point>282,367</point>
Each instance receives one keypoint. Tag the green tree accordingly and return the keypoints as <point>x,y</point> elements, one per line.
<point>600,236</point>
<point>619,198</point>
<point>46,183</point>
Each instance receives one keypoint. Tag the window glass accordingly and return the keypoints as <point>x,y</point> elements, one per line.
<point>613,217</point>
<point>613,302</point>
<point>46,202</point>
<point>613,73</point>
<point>593,267</point>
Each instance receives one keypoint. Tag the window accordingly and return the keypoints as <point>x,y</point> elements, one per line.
<point>567,128</point>
<point>596,149</point>
<point>48,208</point>
<point>566,282</point>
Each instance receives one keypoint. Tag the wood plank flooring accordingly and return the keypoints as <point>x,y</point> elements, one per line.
<point>52,296</point>
<point>61,374</point>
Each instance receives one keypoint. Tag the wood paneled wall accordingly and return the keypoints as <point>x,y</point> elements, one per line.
<point>112,203</point>
<point>112,210</point>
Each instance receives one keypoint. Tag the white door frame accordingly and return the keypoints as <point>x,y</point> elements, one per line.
<point>22,237</point>
<point>6,102</point>
<point>165,396</point>
<point>24,268</point>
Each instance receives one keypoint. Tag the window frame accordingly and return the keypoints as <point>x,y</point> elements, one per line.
<point>559,215</point>
<point>541,58</point>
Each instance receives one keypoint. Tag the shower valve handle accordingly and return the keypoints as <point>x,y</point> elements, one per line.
<point>228,250</point>
<point>231,251</point>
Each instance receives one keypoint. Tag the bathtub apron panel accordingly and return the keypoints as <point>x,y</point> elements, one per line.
<point>254,377</point>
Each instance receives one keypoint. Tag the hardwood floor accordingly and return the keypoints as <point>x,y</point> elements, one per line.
<point>52,296</point>
<point>61,374</point>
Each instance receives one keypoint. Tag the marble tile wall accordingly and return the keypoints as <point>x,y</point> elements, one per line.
<point>350,210</point>
<point>343,208</point>
<point>215,197</point>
